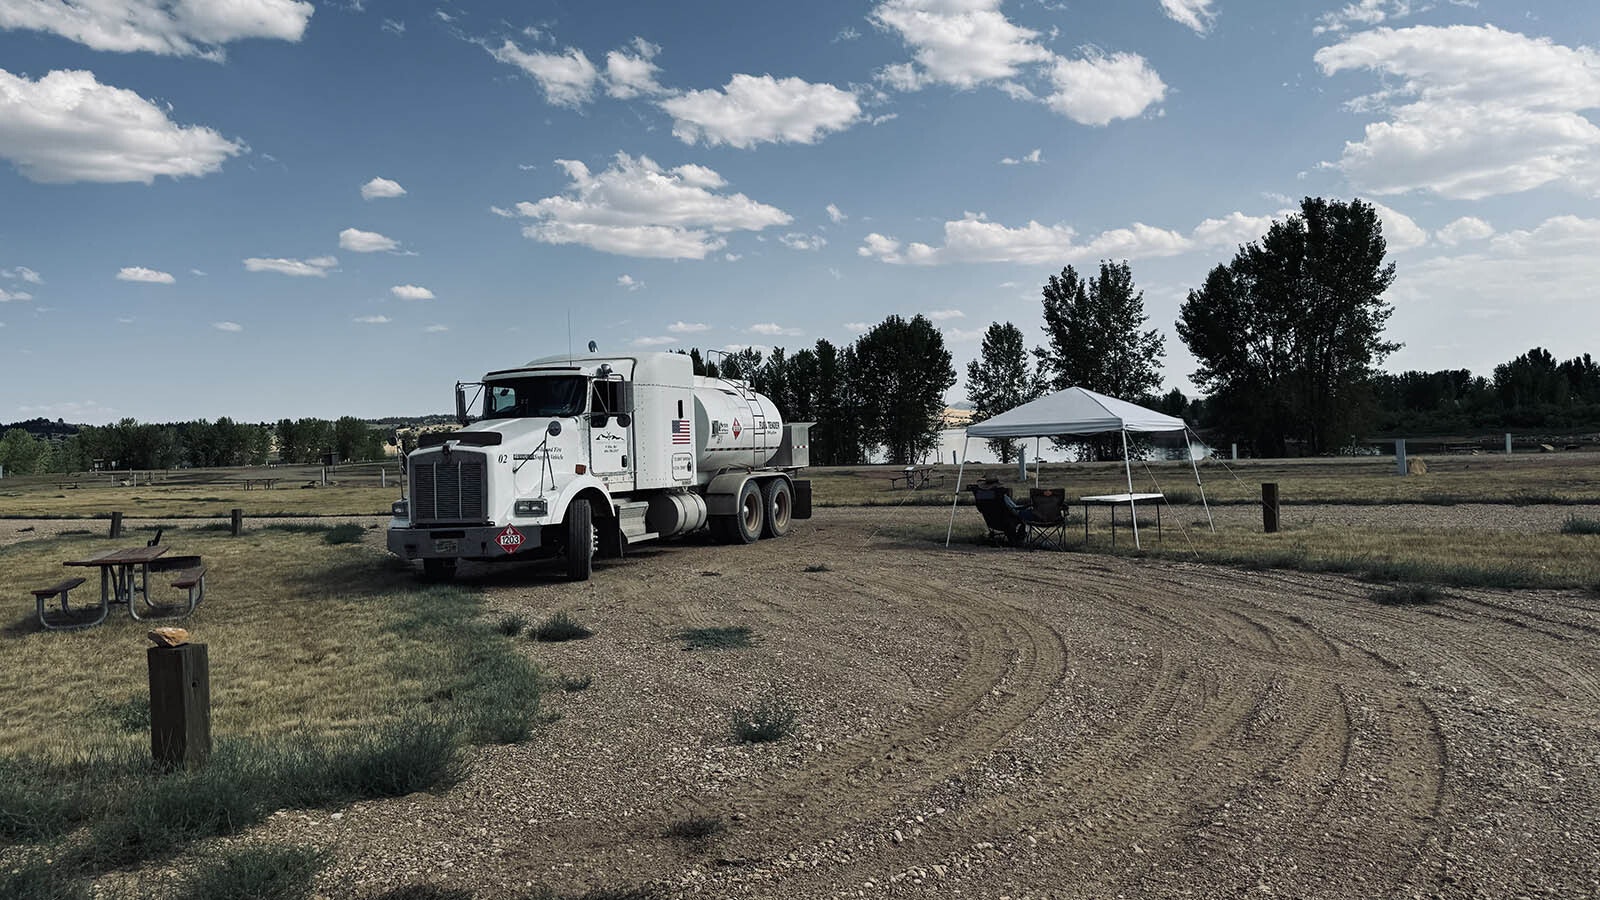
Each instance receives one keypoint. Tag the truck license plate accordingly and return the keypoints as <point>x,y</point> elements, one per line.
<point>445,546</point>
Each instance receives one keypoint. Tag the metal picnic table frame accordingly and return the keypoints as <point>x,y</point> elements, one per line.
<point>1114,501</point>
<point>124,573</point>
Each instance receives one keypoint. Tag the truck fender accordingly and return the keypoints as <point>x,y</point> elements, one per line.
<point>722,493</point>
<point>589,487</point>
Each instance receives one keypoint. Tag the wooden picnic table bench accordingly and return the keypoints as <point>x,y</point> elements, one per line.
<point>66,620</point>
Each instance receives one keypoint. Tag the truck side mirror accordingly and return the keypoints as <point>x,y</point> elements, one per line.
<point>461,405</point>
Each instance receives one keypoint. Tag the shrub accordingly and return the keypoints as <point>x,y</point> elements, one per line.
<point>252,873</point>
<point>560,627</point>
<point>818,567</point>
<point>695,828</point>
<point>511,624</point>
<point>770,719</point>
<point>1578,525</point>
<point>43,881</point>
<point>722,637</point>
<point>347,533</point>
<point>1408,595</point>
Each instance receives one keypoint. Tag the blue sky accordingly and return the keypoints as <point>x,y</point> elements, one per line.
<point>271,208</point>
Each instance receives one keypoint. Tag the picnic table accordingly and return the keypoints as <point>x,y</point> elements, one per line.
<point>250,483</point>
<point>1114,501</point>
<point>125,579</point>
<point>913,476</point>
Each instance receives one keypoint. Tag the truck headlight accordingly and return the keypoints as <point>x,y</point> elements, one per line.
<point>400,509</point>
<point>531,508</point>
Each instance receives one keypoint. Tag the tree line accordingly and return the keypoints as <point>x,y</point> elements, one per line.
<point>1531,391</point>
<point>28,448</point>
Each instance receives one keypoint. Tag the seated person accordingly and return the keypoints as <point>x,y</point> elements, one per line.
<point>1022,510</point>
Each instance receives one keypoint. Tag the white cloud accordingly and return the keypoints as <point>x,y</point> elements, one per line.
<point>1195,14</point>
<point>637,208</point>
<point>857,327</point>
<point>756,109</point>
<point>502,212</point>
<point>1099,88</point>
<point>24,273</point>
<point>773,329</point>
<point>146,276</point>
<point>411,292</point>
<point>834,214</point>
<point>317,267</point>
<point>14,296</point>
<point>568,79</point>
<point>184,28</point>
<point>436,329</point>
<point>394,26</point>
<point>941,315</point>
<point>1033,157</point>
<point>372,320</point>
<point>379,188</point>
<point>681,327</point>
<point>227,326</point>
<point>1232,230</point>
<point>964,334</point>
<point>630,75</point>
<point>798,241</point>
<point>962,43</point>
<point>975,239</point>
<point>658,341</point>
<point>1481,112</point>
<point>357,241</point>
<point>629,282</point>
<point>1362,13</point>
<point>68,127</point>
<point>1400,231</point>
<point>1466,228</point>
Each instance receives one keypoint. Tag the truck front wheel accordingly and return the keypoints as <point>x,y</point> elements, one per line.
<point>580,541</point>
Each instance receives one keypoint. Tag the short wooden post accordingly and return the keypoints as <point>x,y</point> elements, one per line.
<point>180,705</point>
<point>238,521</point>
<point>1400,456</point>
<point>1508,443</point>
<point>116,524</point>
<point>1269,507</point>
<point>383,478</point>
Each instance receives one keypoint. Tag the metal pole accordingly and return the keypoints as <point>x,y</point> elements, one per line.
<point>1022,463</point>
<point>1400,455</point>
<point>1508,443</point>
<point>1133,511</point>
<point>1196,466</point>
<point>959,470</point>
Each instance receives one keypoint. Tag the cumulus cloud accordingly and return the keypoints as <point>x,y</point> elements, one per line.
<point>227,326</point>
<point>372,320</point>
<point>1471,112</point>
<point>68,127</point>
<point>657,341</point>
<point>773,329</point>
<point>630,71</point>
<point>976,239</point>
<point>316,267</point>
<point>379,188</point>
<point>23,273</point>
<point>961,43</point>
<point>357,241</point>
<point>1363,13</point>
<point>798,241</point>
<point>1099,88</point>
<point>1464,229</point>
<point>12,296</point>
<point>941,315</point>
<point>753,109</point>
<point>1032,157</point>
<point>184,28</point>
<point>834,214</point>
<point>681,327</point>
<point>146,276</point>
<point>411,292</point>
<point>1232,230</point>
<point>1400,231</point>
<point>567,78</point>
<point>629,282</point>
<point>637,208</point>
<point>1195,14</point>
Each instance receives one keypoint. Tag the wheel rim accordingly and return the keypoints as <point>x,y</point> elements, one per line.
<point>780,509</point>
<point>752,512</point>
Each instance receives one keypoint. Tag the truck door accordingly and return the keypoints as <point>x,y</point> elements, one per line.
<point>610,428</point>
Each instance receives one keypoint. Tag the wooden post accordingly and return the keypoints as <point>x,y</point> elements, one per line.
<point>383,478</point>
<point>116,524</point>
<point>180,705</point>
<point>1269,507</point>
<point>1508,443</point>
<point>238,521</point>
<point>1400,456</point>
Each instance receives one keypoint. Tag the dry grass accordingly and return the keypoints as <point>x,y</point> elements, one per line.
<point>191,501</point>
<point>304,637</point>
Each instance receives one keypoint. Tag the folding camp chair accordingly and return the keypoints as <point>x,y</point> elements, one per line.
<point>1002,521</point>
<point>1047,529</point>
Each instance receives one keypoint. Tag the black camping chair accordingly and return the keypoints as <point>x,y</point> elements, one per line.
<point>1047,529</point>
<point>1002,521</point>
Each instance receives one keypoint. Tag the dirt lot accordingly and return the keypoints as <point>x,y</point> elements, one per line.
<point>988,723</point>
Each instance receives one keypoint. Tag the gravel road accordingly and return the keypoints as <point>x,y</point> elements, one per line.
<point>986,723</point>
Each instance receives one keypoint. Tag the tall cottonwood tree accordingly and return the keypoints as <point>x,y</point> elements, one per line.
<point>1001,378</point>
<point>902,371</point>
<point>1289,333</point>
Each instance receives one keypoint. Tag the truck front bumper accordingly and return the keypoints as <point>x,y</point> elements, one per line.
<point>471,542</point>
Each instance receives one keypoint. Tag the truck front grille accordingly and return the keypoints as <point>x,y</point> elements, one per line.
<point>449,488</point>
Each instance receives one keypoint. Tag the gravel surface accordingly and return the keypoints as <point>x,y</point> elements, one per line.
<point>986,723</point>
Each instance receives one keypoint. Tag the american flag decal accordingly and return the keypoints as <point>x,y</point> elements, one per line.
<point>680,432</point>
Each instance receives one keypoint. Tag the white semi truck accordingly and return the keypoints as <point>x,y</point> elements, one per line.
<point>579,457</point>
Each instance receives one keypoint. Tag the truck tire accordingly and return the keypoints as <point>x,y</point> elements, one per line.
<point>778,499</point>
<point>438,570</point>
<point>750,518</point>
<point>580,541</point>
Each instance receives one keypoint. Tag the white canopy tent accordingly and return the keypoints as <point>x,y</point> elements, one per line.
<point>1077,411</point>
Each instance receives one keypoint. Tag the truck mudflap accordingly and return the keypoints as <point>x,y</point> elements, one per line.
<point>802,499</point>
<point>488,542</point>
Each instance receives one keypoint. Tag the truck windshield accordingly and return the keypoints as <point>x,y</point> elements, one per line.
<point>544,396</point>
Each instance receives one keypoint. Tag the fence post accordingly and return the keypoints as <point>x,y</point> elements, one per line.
<point>116,524</point>
<point>180,705</point>
<point>1235,452</point>
<point>1400,455</point>
<point>1269,507</point>
<point>1508,443</point>
<point>238,520</point>
<point>383,478</point>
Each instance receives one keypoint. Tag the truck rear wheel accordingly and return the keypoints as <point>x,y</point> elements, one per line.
<point>779,502</point>
<point>750,517</point>
<point>580,541</point>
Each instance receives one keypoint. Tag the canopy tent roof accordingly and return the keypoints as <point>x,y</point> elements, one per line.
<point>1073,411</point>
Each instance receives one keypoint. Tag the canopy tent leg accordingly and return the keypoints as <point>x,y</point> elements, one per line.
<point>1038,463</point>
<point>1187,434</point>
<point>950,529</point>
<point>1133,510</point>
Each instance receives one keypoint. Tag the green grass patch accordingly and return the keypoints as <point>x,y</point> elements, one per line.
<point>510,625</point>
<point>252,873</point>
<point>1580,525</point>
<point>344,533</point>
<point>722,637</point>
<point>1408,595</point>
<point>771,718</point>
<point>560,627</point>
